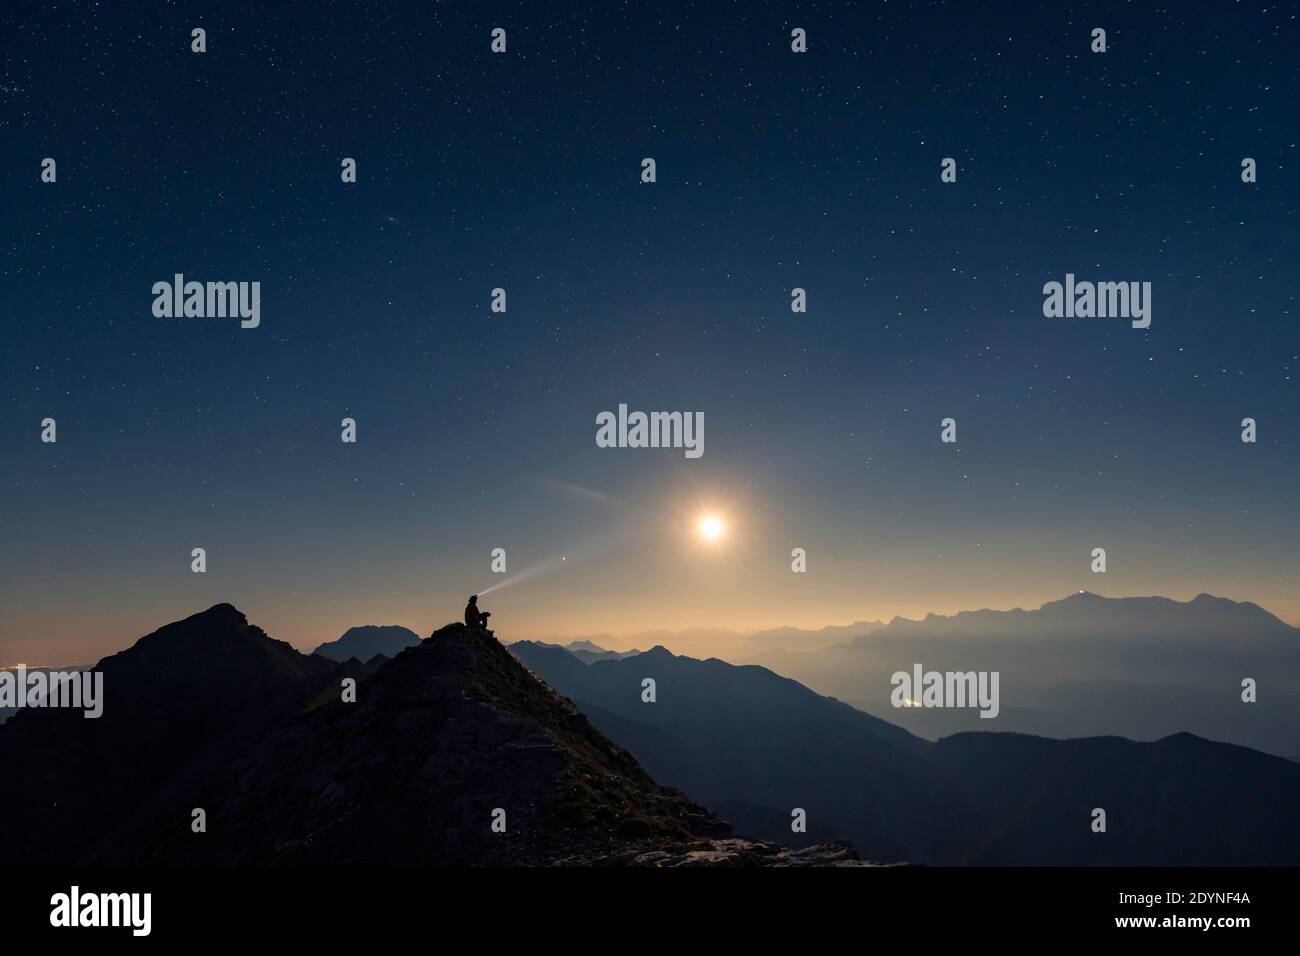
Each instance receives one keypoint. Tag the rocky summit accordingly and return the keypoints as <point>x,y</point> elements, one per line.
<point>452,753</point>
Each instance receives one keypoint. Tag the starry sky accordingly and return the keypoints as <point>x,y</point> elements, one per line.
<point>775,170</point>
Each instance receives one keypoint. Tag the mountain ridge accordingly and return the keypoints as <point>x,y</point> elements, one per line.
<point>210,714</point>
<point>706,733</point>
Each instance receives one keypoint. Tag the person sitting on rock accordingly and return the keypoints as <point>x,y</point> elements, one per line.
<point>474,617</point>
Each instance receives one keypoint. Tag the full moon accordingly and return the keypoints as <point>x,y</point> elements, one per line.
<point>711,528</point>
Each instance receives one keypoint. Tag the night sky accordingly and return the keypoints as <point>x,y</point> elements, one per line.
<point>522,170</point>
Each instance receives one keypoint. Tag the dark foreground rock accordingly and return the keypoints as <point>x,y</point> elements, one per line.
<point>452,753</point>
<point>442,741</point>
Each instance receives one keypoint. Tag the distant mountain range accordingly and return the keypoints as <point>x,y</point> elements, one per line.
<point>724,643</point>
<point>366,641</point>
<point>587,652</point>
<point>744,736</point>
<point>1085,665</point>
<point>801,639</point>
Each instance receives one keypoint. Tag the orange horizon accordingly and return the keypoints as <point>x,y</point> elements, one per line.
<point>283,625</point>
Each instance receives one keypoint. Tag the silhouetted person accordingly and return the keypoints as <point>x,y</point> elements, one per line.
<point>474,617</point>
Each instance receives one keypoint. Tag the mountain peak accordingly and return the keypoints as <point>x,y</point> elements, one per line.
<point>223,613</point>
<point>187,652</point>
<point>169,700</point>
<point>437,741</point>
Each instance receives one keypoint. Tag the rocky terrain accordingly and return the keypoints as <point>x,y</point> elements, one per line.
<point>441,741</point>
